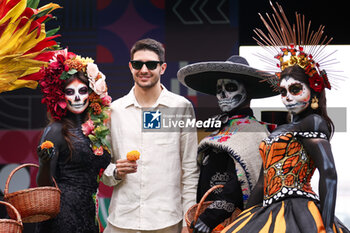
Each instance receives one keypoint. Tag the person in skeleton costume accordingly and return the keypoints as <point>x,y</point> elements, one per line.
<point>230,155</point>
<point>75,93</point>
<point>283,199</point>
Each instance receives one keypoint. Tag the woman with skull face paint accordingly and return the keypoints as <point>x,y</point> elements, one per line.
<point>76,96</point>
<point>293,151</point>
<point>228,156</point>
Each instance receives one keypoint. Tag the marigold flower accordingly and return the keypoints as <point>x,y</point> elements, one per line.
<point>133,155</point>
<point>46,145</point>
<point>74,64</point>
<point>219,227</point>
<point>97,108</point>
<point>93,98</point>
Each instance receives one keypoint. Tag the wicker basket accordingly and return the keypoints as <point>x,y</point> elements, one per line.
<point>193,213</point>
<point>11,225</point>
<point>34,204</point>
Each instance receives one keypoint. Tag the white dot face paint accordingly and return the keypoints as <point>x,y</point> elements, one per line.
<point>295,95</point>
<point>77,96</point>
<point>230,94</point>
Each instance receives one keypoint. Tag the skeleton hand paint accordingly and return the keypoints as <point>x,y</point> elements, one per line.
<point>295,95</point>
<point>230,94</point>
<point>77,97</point>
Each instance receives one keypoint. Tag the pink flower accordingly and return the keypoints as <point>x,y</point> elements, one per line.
<point>88,127</point>
<point>100,86</point>
<point>92,70</point>
<point>97,150</point>
<point>106,100</point>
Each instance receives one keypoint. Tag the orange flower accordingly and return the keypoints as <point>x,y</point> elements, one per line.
<point>219,227</point>
<point>133,155</point>
<point>46,145</point>
<point>74,64</point>
<point>94,98</point>
<point>97,108</point>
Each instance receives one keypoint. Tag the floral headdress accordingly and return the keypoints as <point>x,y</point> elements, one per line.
<point>295,45</point>
<point>61,67</point>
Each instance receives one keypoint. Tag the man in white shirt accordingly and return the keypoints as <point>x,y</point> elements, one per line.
<point>152,194</point>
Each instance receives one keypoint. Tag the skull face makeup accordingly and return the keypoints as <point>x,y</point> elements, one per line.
<point>230,94</point>
<point>77,96</point>
<point>295,95</point>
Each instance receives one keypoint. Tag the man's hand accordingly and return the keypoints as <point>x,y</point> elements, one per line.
<point>124,167</point>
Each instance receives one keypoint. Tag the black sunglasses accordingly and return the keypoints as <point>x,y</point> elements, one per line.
<point>151,65</point>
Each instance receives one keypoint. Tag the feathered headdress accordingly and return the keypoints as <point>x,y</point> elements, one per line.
<point>24,43</point>
<point>295,44</point>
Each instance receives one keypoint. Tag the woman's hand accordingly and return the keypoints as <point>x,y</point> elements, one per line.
<point>45,154</point>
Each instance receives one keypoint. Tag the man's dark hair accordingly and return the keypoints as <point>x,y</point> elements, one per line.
<point>149,44</point>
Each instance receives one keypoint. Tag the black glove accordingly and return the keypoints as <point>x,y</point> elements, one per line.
<point>200,227</point>
<point>45,155</point>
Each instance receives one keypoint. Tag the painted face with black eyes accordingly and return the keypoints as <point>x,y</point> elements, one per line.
<point>77,96</point>
<point>230,94</point>
<point>295,95</point>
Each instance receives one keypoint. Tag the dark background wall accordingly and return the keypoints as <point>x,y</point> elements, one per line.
<point>192,30</point>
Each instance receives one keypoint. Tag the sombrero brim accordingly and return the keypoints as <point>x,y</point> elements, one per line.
<point>203,77</point>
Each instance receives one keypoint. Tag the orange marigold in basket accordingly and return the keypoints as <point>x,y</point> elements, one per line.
<point>46,145</point>
<point>133,155</point>
<point>219,227</point>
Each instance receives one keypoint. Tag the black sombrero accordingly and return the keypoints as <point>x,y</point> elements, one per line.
<point>203,76</point>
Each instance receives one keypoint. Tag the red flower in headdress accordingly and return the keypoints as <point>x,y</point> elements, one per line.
<point>316,83</point>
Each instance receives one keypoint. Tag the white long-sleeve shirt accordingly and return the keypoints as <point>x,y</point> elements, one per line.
<point>165,184</point>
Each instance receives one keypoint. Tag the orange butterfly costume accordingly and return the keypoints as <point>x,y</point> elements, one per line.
<point>288,168</point>
<point>289,204</point>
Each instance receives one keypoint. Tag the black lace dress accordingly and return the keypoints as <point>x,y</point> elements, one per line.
<point>78,180</point>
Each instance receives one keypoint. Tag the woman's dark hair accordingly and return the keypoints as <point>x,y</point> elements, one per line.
<point>68,123</point>
<point>299,74</point>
